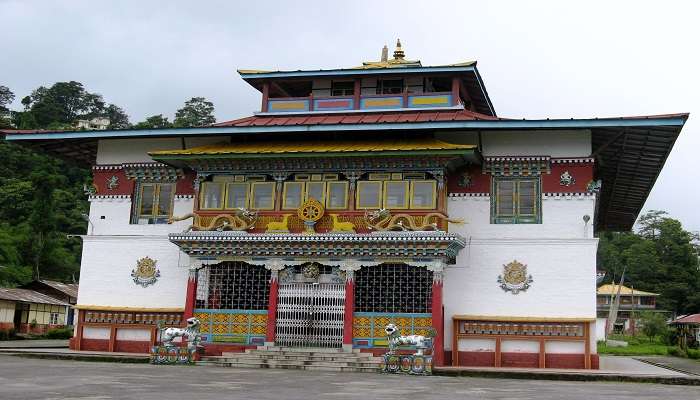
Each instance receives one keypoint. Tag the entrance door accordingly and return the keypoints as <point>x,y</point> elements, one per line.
<point>310,314</point>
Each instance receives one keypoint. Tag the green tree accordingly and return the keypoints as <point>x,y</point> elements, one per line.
<point>196,112</point>
<point>117,117</point>
<point>6,97</point>
<point>154,122</point>
<point>653,324</point>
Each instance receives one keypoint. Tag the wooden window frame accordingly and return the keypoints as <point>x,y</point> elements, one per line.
<point>407,196</point>
<point>253,185</point>
<point>517,217</point>
<point>203,191</point>
<point>226,197</point>
<point>137,208</point>
<point>344,90</point>
<point>301,193</point>
<point>358,196</point>
<point>433,203</point>
<point>323,190</point>
<point>346,186</point>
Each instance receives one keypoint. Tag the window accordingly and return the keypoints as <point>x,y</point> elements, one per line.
<point>316,190</point>
<point>369,194</point>
<point>53,318</point>
<point>390,86</point>
<point>292,195</point>
<point>423,194</point>
<point>515,201</point>
<point>154,203</point>
<point>212,196</point>
<point>237,195</point>
<point>337,195</point>
<point>345,88</point>
<point>263,195</point>
<point>396,194</point>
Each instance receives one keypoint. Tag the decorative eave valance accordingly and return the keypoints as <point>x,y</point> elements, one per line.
<point>380,246</point>
<point>517,166</point>
<point>152,172</point>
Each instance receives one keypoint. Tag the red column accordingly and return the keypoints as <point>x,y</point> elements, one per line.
<point>438,325</point>
<point>191,293</point>
<point>265,96</point>
<point>349,308</point>
<point>455,91</point>
<point>272,310</point>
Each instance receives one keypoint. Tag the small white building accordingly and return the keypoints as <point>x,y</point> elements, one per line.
<point>28,311</point>
<point>93,124</point>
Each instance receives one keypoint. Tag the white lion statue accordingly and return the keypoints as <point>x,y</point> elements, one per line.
<point>421,342</point>
<point>190,334</point>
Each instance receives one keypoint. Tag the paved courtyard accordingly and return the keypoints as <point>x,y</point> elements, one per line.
<point>22,378</point>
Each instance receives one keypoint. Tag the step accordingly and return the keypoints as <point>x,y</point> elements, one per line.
<point>300,362</point>
<point>333,368</point>
<point>314,356</point>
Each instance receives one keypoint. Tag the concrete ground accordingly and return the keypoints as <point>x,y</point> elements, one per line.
<point>22,378</point>
<point>35,344</point>
<point>686,365</point>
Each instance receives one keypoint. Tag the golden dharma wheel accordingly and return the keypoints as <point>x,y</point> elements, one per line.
<point>311,211</point>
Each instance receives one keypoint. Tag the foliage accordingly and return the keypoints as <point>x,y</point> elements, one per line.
<point>117,117</point>
<point>196,112</point>
<point>59,333</point>
<point>154,122</point>
<point>6,97</point>
<point>677,352</point>
<point>634,349</point>
<point>653,324</point>
<point>660,258</point>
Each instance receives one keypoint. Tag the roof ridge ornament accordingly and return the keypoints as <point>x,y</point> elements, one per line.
<point>398,52</point>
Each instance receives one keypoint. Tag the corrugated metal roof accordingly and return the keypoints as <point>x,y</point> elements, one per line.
<point>70,289</point>
<point>609,289</point>
<point>359,118</point>
<point>28,296</point>
<point>336,146</point>
<point>688,319</point>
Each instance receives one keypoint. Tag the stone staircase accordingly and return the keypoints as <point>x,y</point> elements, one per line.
<point>313,359</point>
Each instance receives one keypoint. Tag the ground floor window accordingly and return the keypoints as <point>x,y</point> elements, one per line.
<point>393,288</point>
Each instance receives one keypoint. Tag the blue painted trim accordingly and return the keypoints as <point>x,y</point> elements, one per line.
<point>500,124</point>
<point>345,72</point>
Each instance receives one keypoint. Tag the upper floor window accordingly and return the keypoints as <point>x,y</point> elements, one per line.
<point>342,88</point>
<point>224,194</point>
<point>393,192</point>
<point>390,86</point>
<point>154,203</point>
<point>516,200</point>
<point>331,192</point>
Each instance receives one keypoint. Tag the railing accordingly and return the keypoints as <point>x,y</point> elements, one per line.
<point>365,102</point>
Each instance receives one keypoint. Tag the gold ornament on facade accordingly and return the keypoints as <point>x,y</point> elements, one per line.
<point>310,212</point>
<point>241,220</point>
<point>515,277</point>
<point>145,272</point>
<point>279,226</point>
<point>382,220</point>
<point>341,226</point>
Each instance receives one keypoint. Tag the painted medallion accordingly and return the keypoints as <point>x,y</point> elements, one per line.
<point>515,277</point>
<point>145,272</point>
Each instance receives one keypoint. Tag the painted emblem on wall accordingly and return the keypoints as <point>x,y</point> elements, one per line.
<point>112,182</point>
<point>515,278</point>
<point>594,186</point>
<point>566,179</point>
<point>465,180</point>
<point>145,272</point>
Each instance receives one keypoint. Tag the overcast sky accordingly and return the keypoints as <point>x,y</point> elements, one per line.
<point>538,59</point>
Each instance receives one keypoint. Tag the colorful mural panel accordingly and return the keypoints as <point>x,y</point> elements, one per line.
<point>233,326</point>
<point>368,327</point>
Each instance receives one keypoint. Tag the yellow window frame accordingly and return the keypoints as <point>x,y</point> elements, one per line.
<point>284,194</point>
<point>253,186</point>
<point>433,203</point>
<point>358,196</point>
<point>247,194</point>
<point>156,200</point>
<point>203,191</point>
<point>323,191</point>
<point>407,196</point>
<point>328,194</point>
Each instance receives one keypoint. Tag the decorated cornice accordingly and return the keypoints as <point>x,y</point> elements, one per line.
<point>110,167</point>
<point>379,246</point>
<point>152,172</point>
<point>560,195</point>
<point>457,194</point>
<point>340,164</point>
<point>516,166</point>
<point>577,160</point>
<point>108,196</point>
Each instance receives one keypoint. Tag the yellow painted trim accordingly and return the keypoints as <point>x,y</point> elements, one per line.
<point>406,195</point>
<point>203,191</point>
<point>284,194</point>
<point>247,194</point>
<point>358,194</point>
<point>287,105</point>
<point>252,195</point>
<point>496,318</point>
<point>117,308</point>
<point>433,204</point>
<point>429,100</point>
<point>328,195</point>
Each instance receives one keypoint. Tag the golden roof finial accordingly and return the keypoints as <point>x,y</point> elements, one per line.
<point>385,54</point>
<point>398,53</point>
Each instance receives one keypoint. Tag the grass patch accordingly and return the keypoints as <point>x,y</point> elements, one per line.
<point>636,346</point>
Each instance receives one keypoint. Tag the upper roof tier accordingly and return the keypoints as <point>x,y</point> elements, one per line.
<point>394,84</point>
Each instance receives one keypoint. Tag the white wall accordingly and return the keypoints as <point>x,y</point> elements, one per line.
<point>600,328</point>
<point>542,143</point>
<point>105,275</point>
<point>92,332</point>
<point>117,214</point>
<point>118,151</point>
<point>133,334</point>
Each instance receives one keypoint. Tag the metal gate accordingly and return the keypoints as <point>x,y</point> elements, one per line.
<point>310,315</point>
